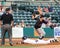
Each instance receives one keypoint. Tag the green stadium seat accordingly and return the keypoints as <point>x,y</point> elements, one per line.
<point>25,13</point>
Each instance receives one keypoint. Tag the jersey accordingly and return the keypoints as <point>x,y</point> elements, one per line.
<point>39,23</point>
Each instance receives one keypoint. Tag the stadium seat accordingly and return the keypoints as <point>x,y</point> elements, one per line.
<point>25,13</point>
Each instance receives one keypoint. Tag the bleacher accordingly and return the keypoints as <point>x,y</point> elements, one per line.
<point>26,13</point>
<point>23,11</point>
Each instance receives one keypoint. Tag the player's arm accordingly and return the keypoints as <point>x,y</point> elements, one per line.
<point>12,22</point>
<point>47,23</point>
<point>1,20</point>
<point>34,16</point>
<point>40,10</point>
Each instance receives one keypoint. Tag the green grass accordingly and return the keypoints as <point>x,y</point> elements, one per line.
<point>15,46</point>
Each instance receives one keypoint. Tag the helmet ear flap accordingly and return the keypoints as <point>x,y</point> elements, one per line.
<point>24,38</point>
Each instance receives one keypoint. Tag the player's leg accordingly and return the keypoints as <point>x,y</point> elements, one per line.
<point>9,30</point>
<point>41,33</point>
<point>3,35</point>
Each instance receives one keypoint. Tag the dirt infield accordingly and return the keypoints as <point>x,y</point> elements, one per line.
<point>51,45</point>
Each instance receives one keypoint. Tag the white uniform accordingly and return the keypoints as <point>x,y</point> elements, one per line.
<point>38,41</point>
